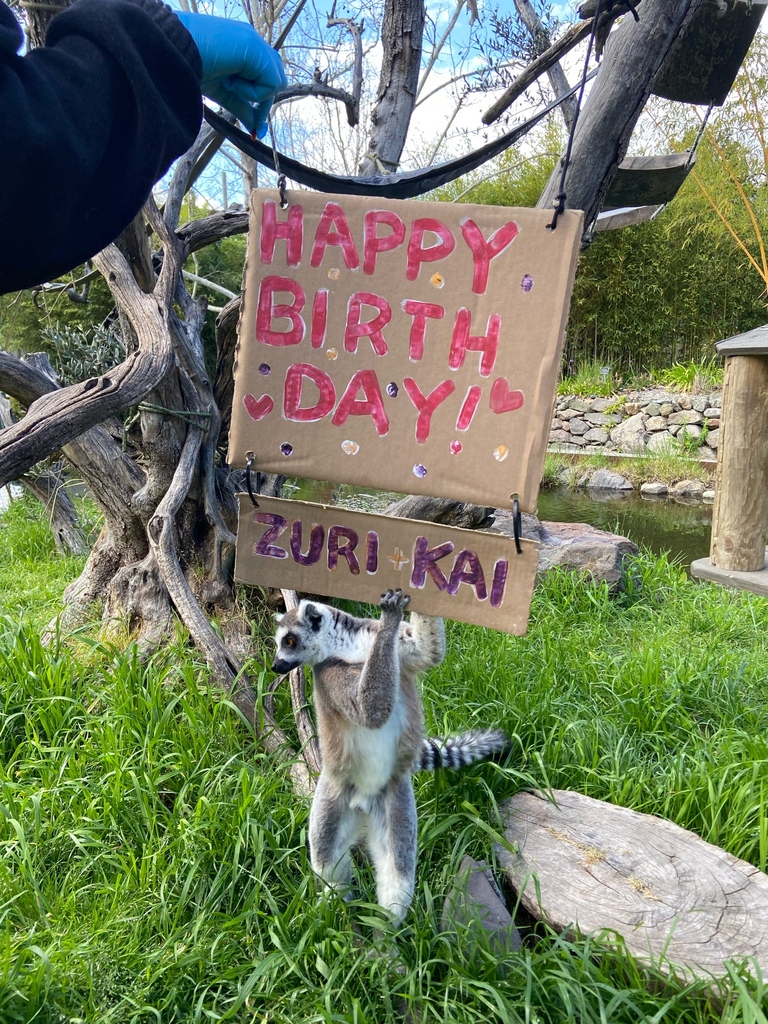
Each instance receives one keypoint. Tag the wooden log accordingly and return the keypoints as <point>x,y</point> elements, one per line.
<point>588,867</point>
<point>740,512</point>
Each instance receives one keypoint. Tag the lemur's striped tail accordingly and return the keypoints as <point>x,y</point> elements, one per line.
<point>459,751</point>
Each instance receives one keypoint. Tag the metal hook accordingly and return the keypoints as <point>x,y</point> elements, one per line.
<point>249,457</point>
<point>281,190</point>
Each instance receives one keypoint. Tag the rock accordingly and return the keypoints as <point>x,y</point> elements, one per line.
<point>442,510</point>
<point>580,405</point>
<point>558,436</point>
<point>713,423</point>
<point>712,412</point>
<point>687,489</point>
<point>475,907</point>
<point>568,414</point>
<point>686,416</point>
<point>674,429</point>
<point>578,426</point>
<point>607,480</point>
<point>653,488</point>
<point>685,402</point>
<point>632,408</point>
<point>585,549</point>
<point>666,409</point>
<point>598,418</point>
<point>713,438</point>
<point>630,435</point>
<point>596,436</point>
<point>601,404</point>
<point>654,423</point>
<point>662,442</point>
<point>716,401</point>
<point>690,430</point>
<point>705,452</point>
<point>708,495</point>
<point>699,403</point>
<point>652,409</point>
<point>557,425</point>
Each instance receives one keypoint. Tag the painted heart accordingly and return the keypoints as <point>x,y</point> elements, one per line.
<point>258,408</point>
<point>504,400</point>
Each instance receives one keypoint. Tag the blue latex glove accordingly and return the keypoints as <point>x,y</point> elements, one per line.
<point>240,70</point>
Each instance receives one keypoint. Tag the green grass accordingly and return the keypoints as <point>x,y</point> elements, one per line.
<point>667,467</point>
<point>587,381</point>
<point>153,862</point>
<point>698,378</point>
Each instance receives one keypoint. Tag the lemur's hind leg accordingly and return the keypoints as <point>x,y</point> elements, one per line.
<point>392,846</point>
<point>334,828</point>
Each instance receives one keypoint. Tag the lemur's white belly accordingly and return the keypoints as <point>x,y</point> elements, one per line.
<point>371,756</point>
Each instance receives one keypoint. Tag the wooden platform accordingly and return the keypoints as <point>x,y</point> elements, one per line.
<point>586,866</point>
<point>647,180</point>
<point>756,582</point>
<point>702,66</point>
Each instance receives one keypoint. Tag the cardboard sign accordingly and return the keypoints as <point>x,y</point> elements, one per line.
<point>468,575</point>
<point>407,346</point>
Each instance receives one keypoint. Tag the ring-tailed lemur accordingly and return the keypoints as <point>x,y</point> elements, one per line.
<point>371,734</point>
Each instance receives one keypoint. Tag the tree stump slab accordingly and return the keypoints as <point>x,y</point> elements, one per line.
<point>589,867</point>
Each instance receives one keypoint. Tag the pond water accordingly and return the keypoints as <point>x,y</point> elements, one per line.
<point>662,525</point>
<point>679,528</point>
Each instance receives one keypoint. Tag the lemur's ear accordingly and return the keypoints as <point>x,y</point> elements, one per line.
<point>314,618</point>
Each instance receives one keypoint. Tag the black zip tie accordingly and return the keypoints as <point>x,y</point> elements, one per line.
<point>249,457</point>
<point>559,203</point>
<point>517,524</point>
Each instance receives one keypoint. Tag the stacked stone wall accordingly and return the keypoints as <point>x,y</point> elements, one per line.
<point>637,423</point>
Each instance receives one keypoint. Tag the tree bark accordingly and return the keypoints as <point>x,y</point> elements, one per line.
<point>401,36</point>
<point>634,55</point>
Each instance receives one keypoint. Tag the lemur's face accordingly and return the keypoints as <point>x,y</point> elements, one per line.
<point>298,638</point>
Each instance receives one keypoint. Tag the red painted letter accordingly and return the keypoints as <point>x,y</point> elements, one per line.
<point>418,254</point>
<point>292,230</point>
<point>469,407</point>
<point>372,243</point>
<point>483,252</point>
<point>319,317</point>
<point>294,384</point>
<point>426,405</point>
<point>269,310</point>
<point>463,342</point>
<point>372,405</point>
<point>421,312</point>
<point>370,328</point>
<point>331,233</point>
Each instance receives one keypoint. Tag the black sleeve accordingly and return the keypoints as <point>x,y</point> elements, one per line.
<point>88,124</point>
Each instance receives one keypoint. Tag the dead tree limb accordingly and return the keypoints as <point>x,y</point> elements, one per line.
<point>634,56</point>
<point>555,73</point>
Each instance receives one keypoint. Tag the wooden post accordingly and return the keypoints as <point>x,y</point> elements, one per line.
<point>740,513</point>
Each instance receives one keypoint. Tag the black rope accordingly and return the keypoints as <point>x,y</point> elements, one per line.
<point>560,197</point>
<point>401,185</point>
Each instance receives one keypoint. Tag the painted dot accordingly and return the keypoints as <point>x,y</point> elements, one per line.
<point>527,283</point>
<point>286,449</point>
<point>331,354</point>
<point>392,389</point>
<point>500,453</point>
<point>334,274</point>
<point>265,369</point>
<point>350,447</point>
<point>419,470</point>
<point>456,447</point>
<point>437,280</point>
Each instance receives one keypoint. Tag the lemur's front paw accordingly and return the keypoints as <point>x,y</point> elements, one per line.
<point>394,602</point>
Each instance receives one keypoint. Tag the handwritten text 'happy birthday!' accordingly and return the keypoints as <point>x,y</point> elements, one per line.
<point>286,315</point>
